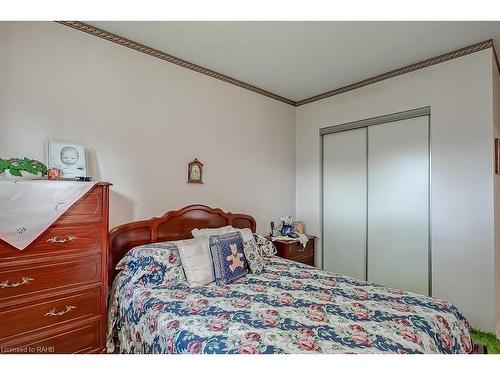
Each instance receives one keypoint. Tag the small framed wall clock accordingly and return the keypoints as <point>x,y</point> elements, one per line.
<point>195,172</point>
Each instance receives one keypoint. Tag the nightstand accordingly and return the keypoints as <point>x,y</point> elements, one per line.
<point>293,250</point>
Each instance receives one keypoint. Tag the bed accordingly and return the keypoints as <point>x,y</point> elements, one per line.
<point>288,308</point>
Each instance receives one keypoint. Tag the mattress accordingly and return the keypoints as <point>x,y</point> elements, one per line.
<point>289,308</point>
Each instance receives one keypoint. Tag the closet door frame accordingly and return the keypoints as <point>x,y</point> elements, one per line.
<point>365,123</point>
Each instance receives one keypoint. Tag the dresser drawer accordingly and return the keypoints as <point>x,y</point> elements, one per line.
<point>21,320</point>
<point>29,280</point>
<point>296,250</point>
<point>57,240</point>
<point>308,259</point>
<point>87,209</point>
<point>83,338</point>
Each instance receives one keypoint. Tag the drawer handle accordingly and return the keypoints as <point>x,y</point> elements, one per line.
<point>62,240</point>
<point>54,313</point>
<point>24,281</point>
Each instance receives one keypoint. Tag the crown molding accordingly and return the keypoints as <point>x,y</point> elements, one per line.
<point>496,57</point>
<point>169,58</point>
<point>208,72</point>
<point>406,69</point>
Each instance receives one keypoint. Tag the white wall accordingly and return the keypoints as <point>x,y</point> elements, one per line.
<point>143,120</point>
<point>460,95</point>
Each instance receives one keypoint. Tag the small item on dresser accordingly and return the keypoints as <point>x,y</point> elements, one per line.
<point>78,179</point>
<point>68,157</point>
<point>287,228</point>
<point>298,227</point>
<point>272,229</point>
<point>83,178</point>
<point>21,169</point>
<point>54,174</point>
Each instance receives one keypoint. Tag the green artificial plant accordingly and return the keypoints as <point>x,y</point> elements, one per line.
<point>15,166</point>
<point>488,339</point>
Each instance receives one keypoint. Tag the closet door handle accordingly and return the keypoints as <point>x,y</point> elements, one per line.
<point>55,239</point>
<point>24,281</point>
<point>54,313</point>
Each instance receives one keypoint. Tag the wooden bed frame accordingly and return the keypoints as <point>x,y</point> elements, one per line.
<point>173,226</point>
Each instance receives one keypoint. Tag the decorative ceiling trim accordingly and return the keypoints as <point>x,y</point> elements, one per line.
<point>208,72</point>
<point>169,58</point>
<point>407,69</point>
<point>496,57</point>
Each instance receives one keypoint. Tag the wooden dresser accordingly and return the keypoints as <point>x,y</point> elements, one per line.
<point>293,250</point>
<point>53,294</point>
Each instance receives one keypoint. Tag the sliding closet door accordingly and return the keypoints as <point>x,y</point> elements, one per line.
<point>344,202</point>
<point>398,204</point>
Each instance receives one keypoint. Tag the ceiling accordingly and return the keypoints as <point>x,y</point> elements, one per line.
<point>298,60</point>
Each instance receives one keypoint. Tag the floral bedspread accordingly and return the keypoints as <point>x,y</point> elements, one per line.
<point>289,308</point>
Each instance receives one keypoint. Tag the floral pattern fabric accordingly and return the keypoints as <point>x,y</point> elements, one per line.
<point>267,248</point>
<point>288,308</point>
<point>153,264</point>
<point>254,258</point>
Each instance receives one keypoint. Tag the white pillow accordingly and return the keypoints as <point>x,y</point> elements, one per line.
<point>196,260</point>
<point>246,233</point>
<point>210,231</point>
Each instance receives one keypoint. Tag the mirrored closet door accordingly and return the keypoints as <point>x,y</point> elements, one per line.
<point>376,200</point>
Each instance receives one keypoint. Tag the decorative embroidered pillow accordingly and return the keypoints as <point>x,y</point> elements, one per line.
<point>153,264</point>
<point>253,256</point>
<point>228,257</point>
<point>246,233</point>
<point>266,247</point>
<point>211,231</point>
<point>196,260</point>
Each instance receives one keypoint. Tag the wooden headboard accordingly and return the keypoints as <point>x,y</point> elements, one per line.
<point>174,225</point>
